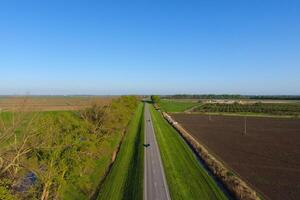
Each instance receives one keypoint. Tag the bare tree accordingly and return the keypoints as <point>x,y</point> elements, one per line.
<point>15,134</point>
<point>95,116</point>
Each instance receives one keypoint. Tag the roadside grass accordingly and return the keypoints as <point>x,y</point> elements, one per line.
<point>176,106</point>
<point>125,180</point>
<point>186,178</point>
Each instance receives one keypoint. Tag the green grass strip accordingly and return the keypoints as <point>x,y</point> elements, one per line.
<point>125,180</point>
<point>186,178</point>
<point>176,106</point>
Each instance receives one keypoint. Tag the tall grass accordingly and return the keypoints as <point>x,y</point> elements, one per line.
<point>125,180</point>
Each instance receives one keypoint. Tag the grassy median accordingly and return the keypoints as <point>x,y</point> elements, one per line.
<point>125,180</point>
<point>186,178</point>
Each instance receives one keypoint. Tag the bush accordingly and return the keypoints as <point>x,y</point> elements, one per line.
<point>5,190</point>
<point>61,148</point>
<point>155,98</point>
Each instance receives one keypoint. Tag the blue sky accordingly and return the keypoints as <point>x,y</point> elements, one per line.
<point>143,47</point>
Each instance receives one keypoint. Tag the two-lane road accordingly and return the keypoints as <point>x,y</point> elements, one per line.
<point>155,184</point>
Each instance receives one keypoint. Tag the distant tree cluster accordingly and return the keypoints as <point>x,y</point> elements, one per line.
<point>204,96</point>
<point>275,97</point>
<point>155,99</point>
<point>231,96</point>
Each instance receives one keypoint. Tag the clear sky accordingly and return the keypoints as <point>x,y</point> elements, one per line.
<point>149,46</point>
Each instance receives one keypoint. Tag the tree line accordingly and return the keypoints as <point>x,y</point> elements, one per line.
<point>231,96</point>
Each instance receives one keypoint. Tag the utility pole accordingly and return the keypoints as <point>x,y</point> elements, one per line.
<point>245,125</point>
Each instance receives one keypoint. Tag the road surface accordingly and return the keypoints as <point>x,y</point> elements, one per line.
<point>155,184</point>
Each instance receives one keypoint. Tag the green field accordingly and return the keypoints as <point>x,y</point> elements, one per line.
<point>125,180</point>
<point>186,178</point>
<point>176,106</point>
<point>292,109</point>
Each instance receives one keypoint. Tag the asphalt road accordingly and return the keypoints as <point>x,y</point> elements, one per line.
<point>155,184</point>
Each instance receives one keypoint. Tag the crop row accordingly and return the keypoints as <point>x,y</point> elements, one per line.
<point>281,109</point>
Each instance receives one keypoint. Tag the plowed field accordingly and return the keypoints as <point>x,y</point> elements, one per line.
<point>267,156</point>
<point>50,103</point>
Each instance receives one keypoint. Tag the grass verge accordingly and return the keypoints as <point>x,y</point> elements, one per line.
<point>186,178</point>
<point>125,180</point>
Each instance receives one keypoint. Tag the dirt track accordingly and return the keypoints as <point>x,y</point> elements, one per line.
<point>268,156</point>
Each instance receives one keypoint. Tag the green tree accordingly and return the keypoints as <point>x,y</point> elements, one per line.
<point>155,98</point>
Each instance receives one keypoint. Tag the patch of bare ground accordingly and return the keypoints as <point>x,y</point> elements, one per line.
<point>50,103</point>
<point>267,156</point>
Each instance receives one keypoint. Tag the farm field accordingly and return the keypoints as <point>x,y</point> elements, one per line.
<point>267,156</point>
<point>50,103</point>
<point>125,180</point>
<point>176,106</point>
<point>292,109</point>
<point>186,178</point>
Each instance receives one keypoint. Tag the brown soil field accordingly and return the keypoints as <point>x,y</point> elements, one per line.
<point>49,103</point>
<point>267,157</point>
